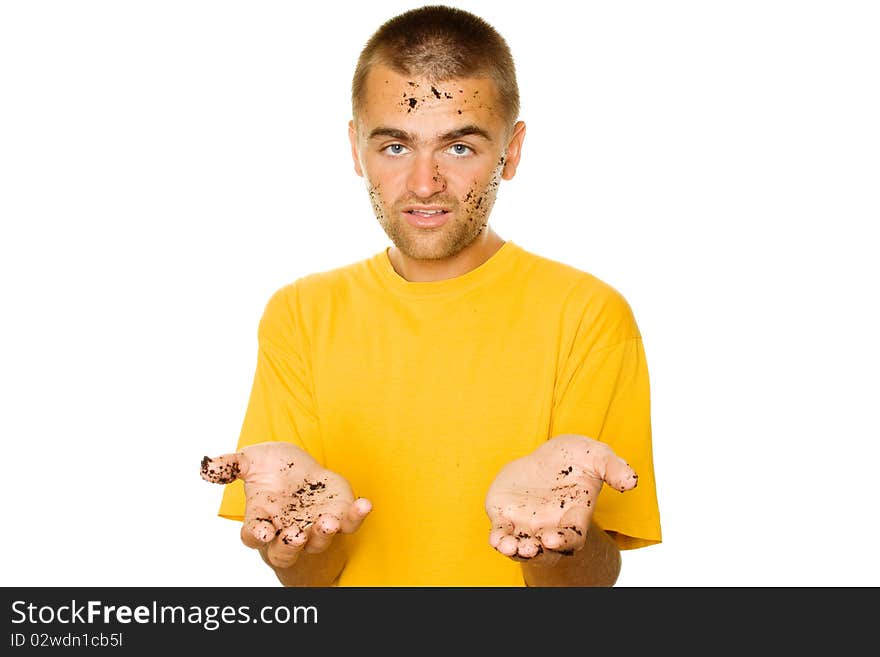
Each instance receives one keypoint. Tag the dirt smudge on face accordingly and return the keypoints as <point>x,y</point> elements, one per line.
<point>376,201</point>
<point>410,101</point>
<point>478,204</point>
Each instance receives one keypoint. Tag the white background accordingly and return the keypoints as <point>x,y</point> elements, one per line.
<point>166,166</point>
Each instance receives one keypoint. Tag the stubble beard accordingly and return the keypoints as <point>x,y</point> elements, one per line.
<point>467,222</point>
<point>433,243</point>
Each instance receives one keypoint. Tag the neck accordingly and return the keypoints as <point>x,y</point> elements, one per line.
<point>469,258</point>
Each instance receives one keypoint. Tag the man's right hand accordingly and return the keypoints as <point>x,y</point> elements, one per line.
<point>292,502</point>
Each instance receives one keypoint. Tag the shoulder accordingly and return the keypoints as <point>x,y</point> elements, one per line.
<point>590,305</point>
<point>311,293</point>
<point>327,285</point>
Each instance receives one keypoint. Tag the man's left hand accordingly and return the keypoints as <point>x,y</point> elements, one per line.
<point>540,505</point>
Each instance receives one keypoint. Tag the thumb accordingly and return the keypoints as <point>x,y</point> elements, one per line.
<point>618,474</point>
<point>224,469</point>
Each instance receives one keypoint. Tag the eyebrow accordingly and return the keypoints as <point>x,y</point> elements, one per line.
<point>458,133</point>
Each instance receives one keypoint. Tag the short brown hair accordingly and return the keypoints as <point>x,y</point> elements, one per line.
<point>440,43</point>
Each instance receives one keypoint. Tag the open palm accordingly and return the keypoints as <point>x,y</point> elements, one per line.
<point>292,503</point>
<point>540,505</point>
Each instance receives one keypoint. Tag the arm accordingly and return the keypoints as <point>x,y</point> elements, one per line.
<point>282,518</point>
<point>596,564</point>
<point>608,399</point>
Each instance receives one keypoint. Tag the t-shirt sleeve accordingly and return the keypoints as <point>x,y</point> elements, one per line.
<point>281,404</point>
<point>605,395</point>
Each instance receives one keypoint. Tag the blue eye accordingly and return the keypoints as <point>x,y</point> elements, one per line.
<point>395,149</point>
<point>455,149</point>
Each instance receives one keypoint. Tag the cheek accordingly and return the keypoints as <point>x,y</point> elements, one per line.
<point>382,170</point>
<point>479,192</point>
<point>485,183</point>
<point>463,179</point>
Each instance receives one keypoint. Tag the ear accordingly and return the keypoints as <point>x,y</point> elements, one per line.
<point>352,137</point>
<point>514,150</point>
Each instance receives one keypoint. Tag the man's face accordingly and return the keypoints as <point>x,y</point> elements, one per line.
<point>432,156</point>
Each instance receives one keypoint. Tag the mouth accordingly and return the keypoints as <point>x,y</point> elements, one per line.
<point>426,217</point>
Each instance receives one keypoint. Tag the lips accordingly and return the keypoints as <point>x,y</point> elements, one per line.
<point>426,217</point>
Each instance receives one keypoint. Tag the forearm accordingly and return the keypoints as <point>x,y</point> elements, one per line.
<point>596,564</point>
<point>311,570</point>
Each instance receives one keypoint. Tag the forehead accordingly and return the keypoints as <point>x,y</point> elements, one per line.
<point>391,96</point>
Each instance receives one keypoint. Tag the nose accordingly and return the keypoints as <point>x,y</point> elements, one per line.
<point>425,178</point>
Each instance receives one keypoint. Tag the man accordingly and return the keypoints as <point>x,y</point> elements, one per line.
<point>477,395</point>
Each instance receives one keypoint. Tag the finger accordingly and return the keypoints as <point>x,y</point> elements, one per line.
<point>258,527</point>
<point>283,552</point>
<point>223,469</point>
<point>565,540</point>
<point>618,474</point>
<point>508,545</point>
<point>257,532</point>
<point>321,533</point>
<point>503,528</point>
<point>529,546</point>
<point>355,515</point>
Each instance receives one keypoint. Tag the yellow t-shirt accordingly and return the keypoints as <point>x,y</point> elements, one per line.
<point>419,393</point>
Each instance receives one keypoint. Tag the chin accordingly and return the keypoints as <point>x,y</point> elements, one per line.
<point>440,247</point>
<point>425,251</point>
